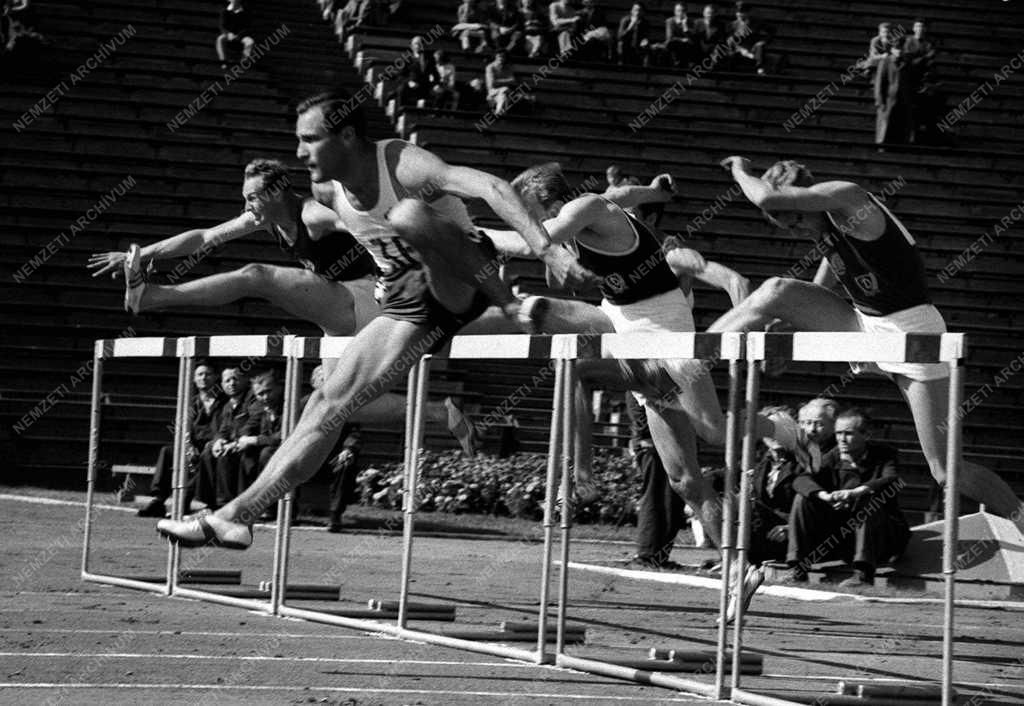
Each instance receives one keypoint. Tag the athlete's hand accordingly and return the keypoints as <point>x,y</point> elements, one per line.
<point>565,271</point>
<point>104,262</point>
<point>666,183</point>
<point>730,164</point>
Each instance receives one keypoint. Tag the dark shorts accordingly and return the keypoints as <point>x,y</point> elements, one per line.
<point>405,295</point>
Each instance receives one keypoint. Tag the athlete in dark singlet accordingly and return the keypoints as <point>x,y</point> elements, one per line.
<point>872,255</point>
<point>334,290</point>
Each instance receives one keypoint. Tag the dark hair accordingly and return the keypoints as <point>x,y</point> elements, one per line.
<point>744,7</point>
<point>204,363</point>
<point>860,413</point>
<point>273,173</point>
<point>339,109</point>
<point>442,57</point>
<point>267,377</point>
<point>545,182</point>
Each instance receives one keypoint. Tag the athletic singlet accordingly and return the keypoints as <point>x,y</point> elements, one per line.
<point>373,230</point>
<point>335,256</point>
<point>628,277</point>
<point>881,276</point>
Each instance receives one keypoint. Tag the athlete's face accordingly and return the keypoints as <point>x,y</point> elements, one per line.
<point>258,200</point>
<point>324,153</point>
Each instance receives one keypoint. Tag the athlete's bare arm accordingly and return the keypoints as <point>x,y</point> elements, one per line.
<point>418,171</point>
<point>661,189</point>
<point>687,264</point>
<point>179,245</point>
<point>825,277</point>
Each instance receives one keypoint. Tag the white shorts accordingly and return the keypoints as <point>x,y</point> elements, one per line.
<point>671,311</point>
<point>923,318</point>
<point>364,306</point>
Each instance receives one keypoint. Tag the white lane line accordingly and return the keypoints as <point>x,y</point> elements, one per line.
<point>193,633</point>
<point>262,658</point>
<point>890,680</point>
<point>347,690</point>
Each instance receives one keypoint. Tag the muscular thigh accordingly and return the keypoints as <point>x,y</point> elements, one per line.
<point>327,304</point>
<point>810,307</point>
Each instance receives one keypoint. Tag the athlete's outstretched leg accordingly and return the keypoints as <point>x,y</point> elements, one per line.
<point>301,293</point>
<point>807,306</point>
<point>929,403</point>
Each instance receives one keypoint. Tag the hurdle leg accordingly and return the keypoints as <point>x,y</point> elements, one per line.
<point>292,392</point>
<point>732,432</point>
<point>417,399</point>
<point>954,447</point>
<point>554,441</point>
<point>749,442</point>
<point>568,389</point>
<point>179,472</point>
<point>94,452</point>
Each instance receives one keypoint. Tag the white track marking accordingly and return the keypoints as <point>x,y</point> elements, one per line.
<point>350,690</point>
<point>261,658</point>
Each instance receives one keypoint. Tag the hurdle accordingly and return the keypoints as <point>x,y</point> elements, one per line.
<point>841,347</point>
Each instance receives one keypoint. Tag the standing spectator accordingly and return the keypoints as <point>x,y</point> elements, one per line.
<point>660,511</point>
<point>446,92</point>
<point>417,78</point>
<point>708,31</point>
<point>850,505</point>
<point>506,26</point>
<point>680,45</point>
<point>221,463</point>
<point>564,20</point>
<point>534,28</point>
<point>749,39</point>
<point>634,45</point>
<point>203,412</point>
<point>894,124</point>
<point>879,48</point>
<point>594,37</point>
<point>235,30</point>
<point>918,51</point>
<point>500,79</point>
<point>472,27</point>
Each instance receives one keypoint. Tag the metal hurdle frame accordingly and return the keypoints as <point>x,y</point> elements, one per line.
<point>695,346</point>
<point>186,350</point>
<point>841,347</point>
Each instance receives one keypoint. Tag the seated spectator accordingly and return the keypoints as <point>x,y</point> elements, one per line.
<point>506,27</point>
<point>417,78</point>
<point>680,45</point>
<point>357,13</point>
<point>848,509</point>
<point>534,28</point>
<point>634,45</point>
<point>472,96</point>
<point>749,38</point>
<point>445,91</point>
<point>234,32</point>
<point>473,27</point>
<point>594,38</point>
<point>203,412</point>
<point>709,32</point>
<point>223,466</point>
<point>817,420</point>
<point>500,79</point>
<point>563,19</point>
<point>265,435</point>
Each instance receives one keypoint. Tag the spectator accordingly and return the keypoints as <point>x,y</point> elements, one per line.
<point>473,27</point>
<point>849,508</point>
<point>660,510</point>
<point>879,48</point>
<point>771,496</point>
<point>534,28</point>
<point>613,175</point>
<point>594,38</point>
<point>472,96</point>
<point>446,92</point>
<point>749,39</point>
<point>264,432</point>
<point>234,32</point>
<point>506,27</point>
<point>894,123</point>
<point>708,31</point>
<point>929,103</point>
<point>680,45</point>
<point>417,78</point>
<point>203,411</point>
<point>817,420</point>
<point>500,79</point>
<point>634,44</point>
<point>223,465</point>
<point>564,20</point>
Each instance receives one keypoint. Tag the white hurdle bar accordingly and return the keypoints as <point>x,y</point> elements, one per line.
<point>946,348</point>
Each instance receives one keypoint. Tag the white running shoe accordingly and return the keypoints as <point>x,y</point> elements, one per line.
<point>134,279</point>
